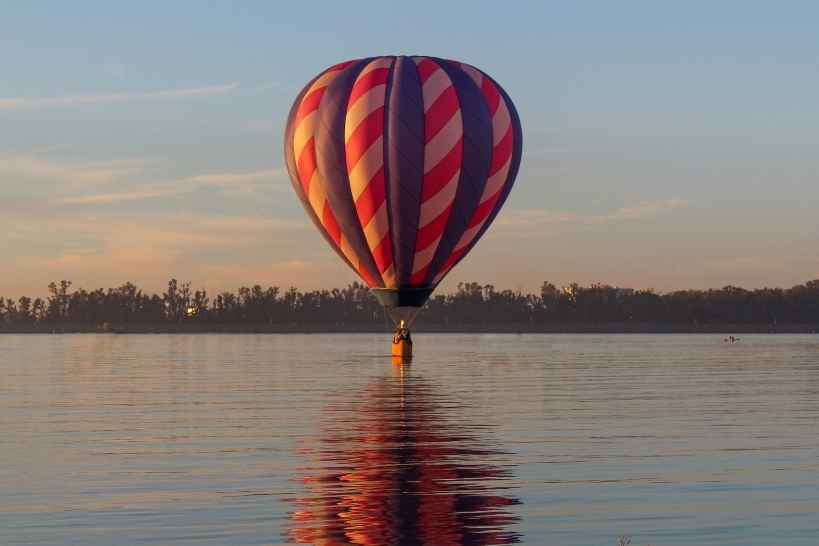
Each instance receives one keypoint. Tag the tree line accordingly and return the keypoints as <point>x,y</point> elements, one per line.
<point>471,304</point>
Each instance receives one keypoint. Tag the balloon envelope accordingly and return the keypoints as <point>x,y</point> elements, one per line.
<point>402,163</point>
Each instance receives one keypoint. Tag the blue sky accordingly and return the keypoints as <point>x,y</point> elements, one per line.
<point>665,146</point>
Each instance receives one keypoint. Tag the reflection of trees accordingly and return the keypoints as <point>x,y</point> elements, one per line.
<point>395,468</point>
<point>471,304</point>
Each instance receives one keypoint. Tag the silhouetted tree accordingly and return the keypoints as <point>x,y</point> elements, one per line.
<point>471,304</point>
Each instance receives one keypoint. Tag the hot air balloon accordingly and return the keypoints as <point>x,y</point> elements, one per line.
<point>402,163</point>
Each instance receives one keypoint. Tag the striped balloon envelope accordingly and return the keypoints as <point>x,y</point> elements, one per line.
<point>402,163</point>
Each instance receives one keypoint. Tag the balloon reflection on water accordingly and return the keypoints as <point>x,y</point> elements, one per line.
<point>395,466</point>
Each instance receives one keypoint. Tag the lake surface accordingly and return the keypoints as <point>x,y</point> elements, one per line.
<point>488,439</point>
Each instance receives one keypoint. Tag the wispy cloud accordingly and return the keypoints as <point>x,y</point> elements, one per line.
<point>644,209</point>
<point>84,172</point>
<point>72,172</point>
<point>36,103</point>
<point>72,232</point>
<point>241,182</point>
<point>90,182</point>
<point>107,198</point>
<point>649,208</point>
<point>234,179</point>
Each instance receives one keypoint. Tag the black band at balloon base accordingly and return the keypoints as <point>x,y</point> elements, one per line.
<point>403,297</point>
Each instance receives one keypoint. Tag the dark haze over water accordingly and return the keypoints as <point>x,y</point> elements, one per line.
<point>484,439</point>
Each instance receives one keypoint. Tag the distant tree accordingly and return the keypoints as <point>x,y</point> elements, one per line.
<point>11,315</point>
<point>471,304</point>
<point>174,303</point>
<point>38,310</point>
<point>59,300</point>
<point>199,304</point>
<point>24,310</point>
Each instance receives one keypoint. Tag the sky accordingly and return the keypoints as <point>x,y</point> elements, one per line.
<point>666,145</point>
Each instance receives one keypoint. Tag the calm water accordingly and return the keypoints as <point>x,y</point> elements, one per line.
<point>552,440</point>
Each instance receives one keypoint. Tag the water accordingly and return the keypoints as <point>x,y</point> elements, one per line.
<point>549,440</point>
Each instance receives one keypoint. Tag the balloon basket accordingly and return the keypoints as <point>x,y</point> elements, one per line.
<point>402,348</point>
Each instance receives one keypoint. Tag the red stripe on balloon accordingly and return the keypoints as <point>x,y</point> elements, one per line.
<point>426,68</point>
<point>418,277</point>
<point>328,220</point>
<point>363,136</point>
<point>440,112</point>
<point>371,282</point>
<point>342,65</point>
<point>377,76</point>
<point>372,198</point>
<point>382,254</point>
<point>443,172</point>
<point>502,152</point>
<point>483,210</point>
<point>309,104</point>
<point>307,165</point>
<point>491,95</point>
<point>432,231</point>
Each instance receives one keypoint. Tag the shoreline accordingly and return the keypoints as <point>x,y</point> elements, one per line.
<point>513,328</point>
